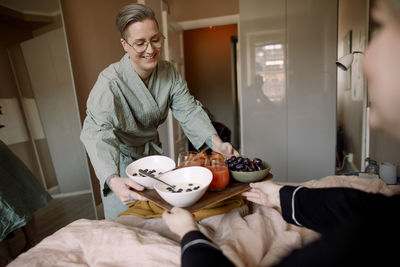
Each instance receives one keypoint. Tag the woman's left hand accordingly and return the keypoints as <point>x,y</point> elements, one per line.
<point>264,193</point>
<point>224,148</point>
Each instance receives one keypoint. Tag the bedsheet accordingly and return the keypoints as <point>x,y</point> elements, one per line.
<point>251,235</point>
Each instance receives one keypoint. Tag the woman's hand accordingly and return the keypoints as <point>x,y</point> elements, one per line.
<point>264,193</point>
<point>122,187</point>
<point>179,221</point>
<point>225,149</point>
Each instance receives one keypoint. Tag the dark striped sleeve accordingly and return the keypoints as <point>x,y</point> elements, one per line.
<point>322,208</point>
<point>198,250</point>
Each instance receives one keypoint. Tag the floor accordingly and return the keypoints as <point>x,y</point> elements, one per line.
<point>59,213</point>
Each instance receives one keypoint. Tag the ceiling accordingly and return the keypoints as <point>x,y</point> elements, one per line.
<point>34,7</point>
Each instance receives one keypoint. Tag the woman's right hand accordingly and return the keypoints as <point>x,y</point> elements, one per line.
<point>179,221</point>
<point>122,187</point>
<point>225,148</point>
<point>264,193</point>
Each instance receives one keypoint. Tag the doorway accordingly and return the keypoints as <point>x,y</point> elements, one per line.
<point>208,72</point>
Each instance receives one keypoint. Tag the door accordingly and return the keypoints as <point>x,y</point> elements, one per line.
<point>48,67</point>
<point>288,85</point>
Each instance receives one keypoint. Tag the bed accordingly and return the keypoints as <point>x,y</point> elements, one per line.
<point>250,235</point>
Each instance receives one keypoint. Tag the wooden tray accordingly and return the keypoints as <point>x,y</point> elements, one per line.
<point>210,197</point>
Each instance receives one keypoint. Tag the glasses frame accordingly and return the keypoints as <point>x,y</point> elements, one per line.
<point>147,43</point>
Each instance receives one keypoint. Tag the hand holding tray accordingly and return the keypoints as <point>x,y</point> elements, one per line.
<point>210,197</point>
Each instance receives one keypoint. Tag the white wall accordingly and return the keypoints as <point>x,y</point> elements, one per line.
<point>15,130</point>
<point>352,16</point>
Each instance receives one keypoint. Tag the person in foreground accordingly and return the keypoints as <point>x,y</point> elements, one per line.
<point>357,228</point>
<point>130,99</point>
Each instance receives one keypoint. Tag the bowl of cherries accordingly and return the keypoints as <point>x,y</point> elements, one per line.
<point>246,170</point>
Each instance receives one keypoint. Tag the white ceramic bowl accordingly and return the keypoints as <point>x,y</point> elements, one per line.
<point>196,175</point>
<point>156,162</point>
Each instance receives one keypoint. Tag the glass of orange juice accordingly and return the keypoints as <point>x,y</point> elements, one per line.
<point>220,173</point>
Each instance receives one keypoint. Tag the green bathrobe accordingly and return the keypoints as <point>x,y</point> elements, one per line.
<point>123,116</point>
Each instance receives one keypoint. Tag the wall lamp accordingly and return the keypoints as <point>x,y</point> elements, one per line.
<point>345,62</point>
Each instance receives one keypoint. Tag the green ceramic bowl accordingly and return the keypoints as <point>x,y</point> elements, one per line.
<point>250,177</point>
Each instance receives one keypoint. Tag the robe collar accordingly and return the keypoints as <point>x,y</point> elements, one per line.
<point>137,86</point>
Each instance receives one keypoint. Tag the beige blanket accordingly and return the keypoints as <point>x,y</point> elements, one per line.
<point>249,236</point>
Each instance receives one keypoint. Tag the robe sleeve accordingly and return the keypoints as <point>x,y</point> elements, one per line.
<point>320,209</point>
<point>198,250</point>
<point>98,135</point>
<point>190,114</point>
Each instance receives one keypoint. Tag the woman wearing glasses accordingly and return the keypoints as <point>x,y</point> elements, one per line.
<point>130,99</point>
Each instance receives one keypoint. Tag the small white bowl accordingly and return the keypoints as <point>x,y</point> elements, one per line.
<point>196,175</point>
<point>156,162</point>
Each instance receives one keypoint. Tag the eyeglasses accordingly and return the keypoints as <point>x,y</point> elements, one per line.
<point>141,46</point>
